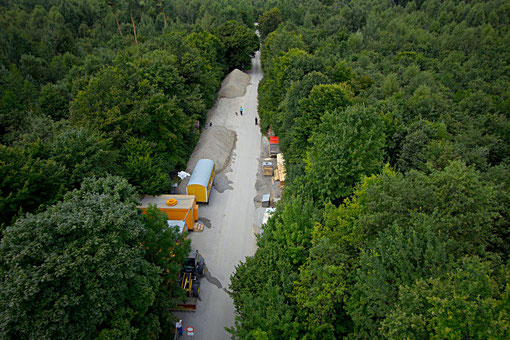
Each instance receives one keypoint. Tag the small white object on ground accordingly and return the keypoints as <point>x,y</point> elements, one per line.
<point>183,174</point>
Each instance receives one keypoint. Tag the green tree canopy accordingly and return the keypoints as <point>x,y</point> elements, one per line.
<point>469,299</point>
<point>77,270</point>
<point>240,44</point>
<point>345,147</point>
<point>269,21</point>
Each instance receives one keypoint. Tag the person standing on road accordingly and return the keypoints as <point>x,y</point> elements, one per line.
<point>241,110</point>
<point>256,121</point>
<point>178,325</point>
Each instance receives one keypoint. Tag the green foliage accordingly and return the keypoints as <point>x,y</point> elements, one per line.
<point>320,290</point>
<point>27,182</point>
<point>16,92</point>
<point>134,102</point>
<point>415,253</point>
<point>415,150</point>
<point>285,69</point>
<point>346,146</point>
<point>393,232</point>
<point>81,153</point>
<point>240,44</point>
<point>469,300</point>
<point>402,254</point>
<point>292,113</point>
<point>322,98</point>
<point>143,167</point>
<point>278,43</point>
<point>70,60</point>
<point>165,248</point>
<point>54,101</point>
<point>77,269</point>
<point>269,21</point>
<point>341,72</point>
<point>262,286</point>
<point>419,253</point>
<point>48,163</point>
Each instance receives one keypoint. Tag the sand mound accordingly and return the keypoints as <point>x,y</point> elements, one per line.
<point>216,143</point>
<point>234,85</point>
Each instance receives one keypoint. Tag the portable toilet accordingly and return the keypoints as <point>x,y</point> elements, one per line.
<point>201,180</point>
<point>177,207</point>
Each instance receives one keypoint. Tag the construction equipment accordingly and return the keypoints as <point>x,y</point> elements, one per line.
<point>193,269</point>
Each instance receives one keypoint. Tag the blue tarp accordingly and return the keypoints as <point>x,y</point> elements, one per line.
<point>202,172</point>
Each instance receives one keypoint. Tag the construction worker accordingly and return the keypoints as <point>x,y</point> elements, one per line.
<point>178,325</point>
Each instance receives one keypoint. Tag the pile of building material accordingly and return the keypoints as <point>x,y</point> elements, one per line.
<point>279,173</point>
<point>216,143</point>
<point>234,85</point>
<point>198,226</point>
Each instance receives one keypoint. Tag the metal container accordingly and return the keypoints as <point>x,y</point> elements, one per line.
<point>266,200</point>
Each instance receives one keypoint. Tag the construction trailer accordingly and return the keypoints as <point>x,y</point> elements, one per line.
<point>179,208</point>
<point>274,146</point>
<point>201,181</point>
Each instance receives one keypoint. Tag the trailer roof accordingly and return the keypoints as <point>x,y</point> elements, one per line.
<point>202,172</point>
<point>183,201</point>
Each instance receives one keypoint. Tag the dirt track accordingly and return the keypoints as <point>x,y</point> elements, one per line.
<point>231,216</point>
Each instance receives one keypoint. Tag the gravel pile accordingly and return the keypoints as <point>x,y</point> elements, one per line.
<point>234,85</point>
<point>216,143</point>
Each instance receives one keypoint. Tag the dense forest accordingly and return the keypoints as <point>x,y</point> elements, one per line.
<point>393,118</point>
<point>100,102</point>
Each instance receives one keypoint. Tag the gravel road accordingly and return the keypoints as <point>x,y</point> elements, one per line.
<point>231,215</point>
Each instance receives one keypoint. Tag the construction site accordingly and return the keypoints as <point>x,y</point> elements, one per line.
<point>236,177</point>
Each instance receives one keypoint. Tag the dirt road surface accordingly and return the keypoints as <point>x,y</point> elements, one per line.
<point>230,218</point>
